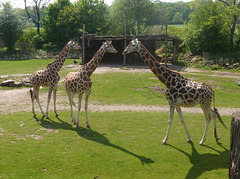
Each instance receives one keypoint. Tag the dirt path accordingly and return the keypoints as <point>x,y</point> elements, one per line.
<point>19,99</point>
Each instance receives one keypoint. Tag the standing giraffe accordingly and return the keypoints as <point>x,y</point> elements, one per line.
<point>180,91</point>
<point>49,77</point>
<point>79,82</point>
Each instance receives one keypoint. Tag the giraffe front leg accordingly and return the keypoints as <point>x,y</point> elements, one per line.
<point>86,106</point>
<point>54,99</point>
<point>183,122</point>
<point>70,97</point>
<point>48,100</point>
<point>172,108</point>
<point>79,108</point>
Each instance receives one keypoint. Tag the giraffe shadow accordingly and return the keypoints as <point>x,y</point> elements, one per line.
<point>89,134</point>
<point>205,162</point>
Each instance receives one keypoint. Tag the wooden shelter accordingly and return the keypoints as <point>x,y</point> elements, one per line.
<point>91,43</point>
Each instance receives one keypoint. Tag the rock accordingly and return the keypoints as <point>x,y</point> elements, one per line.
<point>226,60</point>
<point>16,84</point>
<point>236,65</point>
<point>220,61</point>
<point>7,82</point>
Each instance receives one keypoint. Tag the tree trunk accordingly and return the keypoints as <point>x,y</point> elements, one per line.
<point>234,161</point>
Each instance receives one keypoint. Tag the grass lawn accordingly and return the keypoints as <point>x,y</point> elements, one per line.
<point>120,145</point>
<point>26,66</point>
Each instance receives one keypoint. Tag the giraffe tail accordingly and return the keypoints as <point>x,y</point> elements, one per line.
<point>31,94</point>
<point>74,104</point>
<point>216,112</point>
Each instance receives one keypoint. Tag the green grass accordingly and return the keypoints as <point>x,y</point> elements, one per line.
<point>26,66</point>
<point>133,88</point>
<point>120,145</point>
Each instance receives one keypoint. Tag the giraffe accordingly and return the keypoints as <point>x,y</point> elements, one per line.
<point>79,82</point>
<point>180,91</point>
<point>49,77</point>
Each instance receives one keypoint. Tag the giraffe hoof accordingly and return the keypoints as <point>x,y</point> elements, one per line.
<point>47,117</point>
<point>77,126</point>
<point>217,139</point>
<point>88,126</point>
<point>189,140</point>
<point>200,143</point>
<point>164,142</point>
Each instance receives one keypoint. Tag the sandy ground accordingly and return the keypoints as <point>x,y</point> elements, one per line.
<point>19,99</point>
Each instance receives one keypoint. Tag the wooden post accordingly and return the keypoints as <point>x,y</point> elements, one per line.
<point>83,44</point>
<point>125,45</point>
<point>174,52</point>
<point>165,58</point>
<point>234,158</point>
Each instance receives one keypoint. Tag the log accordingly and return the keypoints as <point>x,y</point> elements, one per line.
<point>234,158</point>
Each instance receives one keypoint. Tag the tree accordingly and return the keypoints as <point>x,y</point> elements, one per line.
<point>207,29</point>
<point>55,31</point>
<point>64,20</point>
<point>92,13</point>
<point>10,26</point>
<point>177,18</point>
<point>34,12</point>
<point>131,14</point>
<point>233,8</point>
<point>162,13</point>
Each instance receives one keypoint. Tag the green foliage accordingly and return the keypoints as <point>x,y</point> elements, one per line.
<point>38,41</point>
<point>92,13</point>
<point>10,26</point>
<point>171,13</point>
<point>55,31</point>
<point>25,41</point>
<point>64,21</point>
<point>177,18</point>
<point>132,14</point>
<point>207,29</point>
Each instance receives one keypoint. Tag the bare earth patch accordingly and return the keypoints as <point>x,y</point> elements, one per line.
<point>19,99</point>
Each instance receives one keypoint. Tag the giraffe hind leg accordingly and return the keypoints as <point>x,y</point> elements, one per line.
<point>207,114</point>
<point>32,95</point>
<point>214,116</point>
<point>35,95</point>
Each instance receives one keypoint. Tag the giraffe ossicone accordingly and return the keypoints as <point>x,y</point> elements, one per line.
<point>80,82</point>
<point>49,77</point>
<point>180,91</point>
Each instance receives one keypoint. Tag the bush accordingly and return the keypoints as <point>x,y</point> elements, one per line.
<point>25,41</point>
<point>38,41</point>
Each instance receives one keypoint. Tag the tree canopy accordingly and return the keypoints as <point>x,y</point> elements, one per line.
<point>10,26</point>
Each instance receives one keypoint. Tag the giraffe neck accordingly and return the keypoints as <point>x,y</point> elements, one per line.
<point>91,66</point>
<point>164,74</point>
<point>58,63</point>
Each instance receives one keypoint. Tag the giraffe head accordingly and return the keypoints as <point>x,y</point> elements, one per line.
<point>134,46</point>
<point>108,47</point>
<point>72,45</point>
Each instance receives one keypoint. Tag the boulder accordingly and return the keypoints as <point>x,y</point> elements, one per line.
<point>7,82</point>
